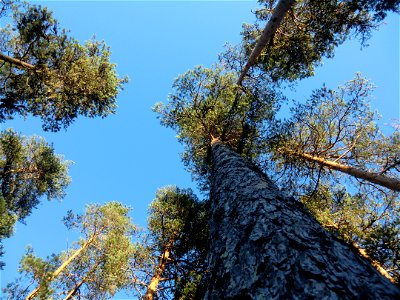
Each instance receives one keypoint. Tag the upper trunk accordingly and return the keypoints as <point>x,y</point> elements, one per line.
<point>279,13</point>
<point>267,246</point>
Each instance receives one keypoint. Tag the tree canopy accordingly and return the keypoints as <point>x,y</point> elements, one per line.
<point>96,267</point>
<point>46,73</point>
<point>29,170</point>
<point>311,30</point>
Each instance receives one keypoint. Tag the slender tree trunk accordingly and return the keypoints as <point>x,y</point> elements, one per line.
<point>264,245</point>
<point>73,291</point>
<point>279,13</point>
<point>155,280</point>
<point>16,62</point>
<point>52,276</point>
<point>377,178</point>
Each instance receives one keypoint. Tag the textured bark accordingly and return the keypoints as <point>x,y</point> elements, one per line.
<point>155,280</point>
<point>264,245</point>
<point>279,13</point>
<point>382,180</point>
<point>18,63</point>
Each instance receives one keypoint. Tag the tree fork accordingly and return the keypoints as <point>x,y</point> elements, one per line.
<point>264,245</point>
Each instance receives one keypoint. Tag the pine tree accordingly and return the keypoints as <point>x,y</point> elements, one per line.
<point>261,240</point>
<point>46,73</point>
<point>97,268</point>
<point>170,260</point>
<point>29,170</point>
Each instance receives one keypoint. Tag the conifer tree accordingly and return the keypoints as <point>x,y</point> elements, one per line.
<point>29,170</point>
<point>171,257</point>
<point>46,73</point>
<point>249,256</point>
<point>96,268</point>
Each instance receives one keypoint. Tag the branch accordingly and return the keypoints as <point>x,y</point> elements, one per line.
<point>18,63</point>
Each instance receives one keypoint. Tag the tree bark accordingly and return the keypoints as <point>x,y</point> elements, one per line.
<point>155,280</point>
<point>264,245</point>
<point>279,13</point>
<point>377,178</point>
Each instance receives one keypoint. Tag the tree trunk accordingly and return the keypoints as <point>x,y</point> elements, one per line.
<point>279,13</point>
<point>52,276</point>
<point>155,280</point>
<point>264,245</point>
<point>382,180</point>
<point>73,291</point>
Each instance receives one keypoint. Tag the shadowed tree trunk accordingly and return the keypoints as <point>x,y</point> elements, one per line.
<point>264,245</point>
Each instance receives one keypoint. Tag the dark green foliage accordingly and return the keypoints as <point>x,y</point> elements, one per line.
<point>311,30</point>
<point>61,79</point>
<point>29,170</point>
<point>368,219</point>
<point>178,222</point>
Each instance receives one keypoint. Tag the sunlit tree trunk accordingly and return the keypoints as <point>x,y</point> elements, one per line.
<point>16,62</point>
<point>382,180</point>
<point>155,280</point>
<point>264,245</point>
<point>57,272</point>
<point>279,13</point>
<point>74,290</point>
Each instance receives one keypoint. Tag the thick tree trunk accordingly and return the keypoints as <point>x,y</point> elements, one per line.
<point>279,13</point>
<point>382,180</point>
<point>57,272</point>
<point>155,280</point>
<point>264,245</point>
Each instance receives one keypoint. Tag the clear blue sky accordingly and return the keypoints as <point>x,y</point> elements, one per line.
<point>127,156</point>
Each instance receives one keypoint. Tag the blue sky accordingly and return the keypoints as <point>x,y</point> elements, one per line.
<point>127,156</point>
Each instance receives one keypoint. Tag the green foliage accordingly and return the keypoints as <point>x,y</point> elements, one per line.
<point>207,103</point>
<point>310,31</point>
<point>177,222</point>
<point>370,220</point>
<point>102,267</point>
<point>340,126</point>
<point>29,170</point>
<point>65,79</point>
<point>38,269</point>
<point>337,126</point>
<point>110,253</point>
